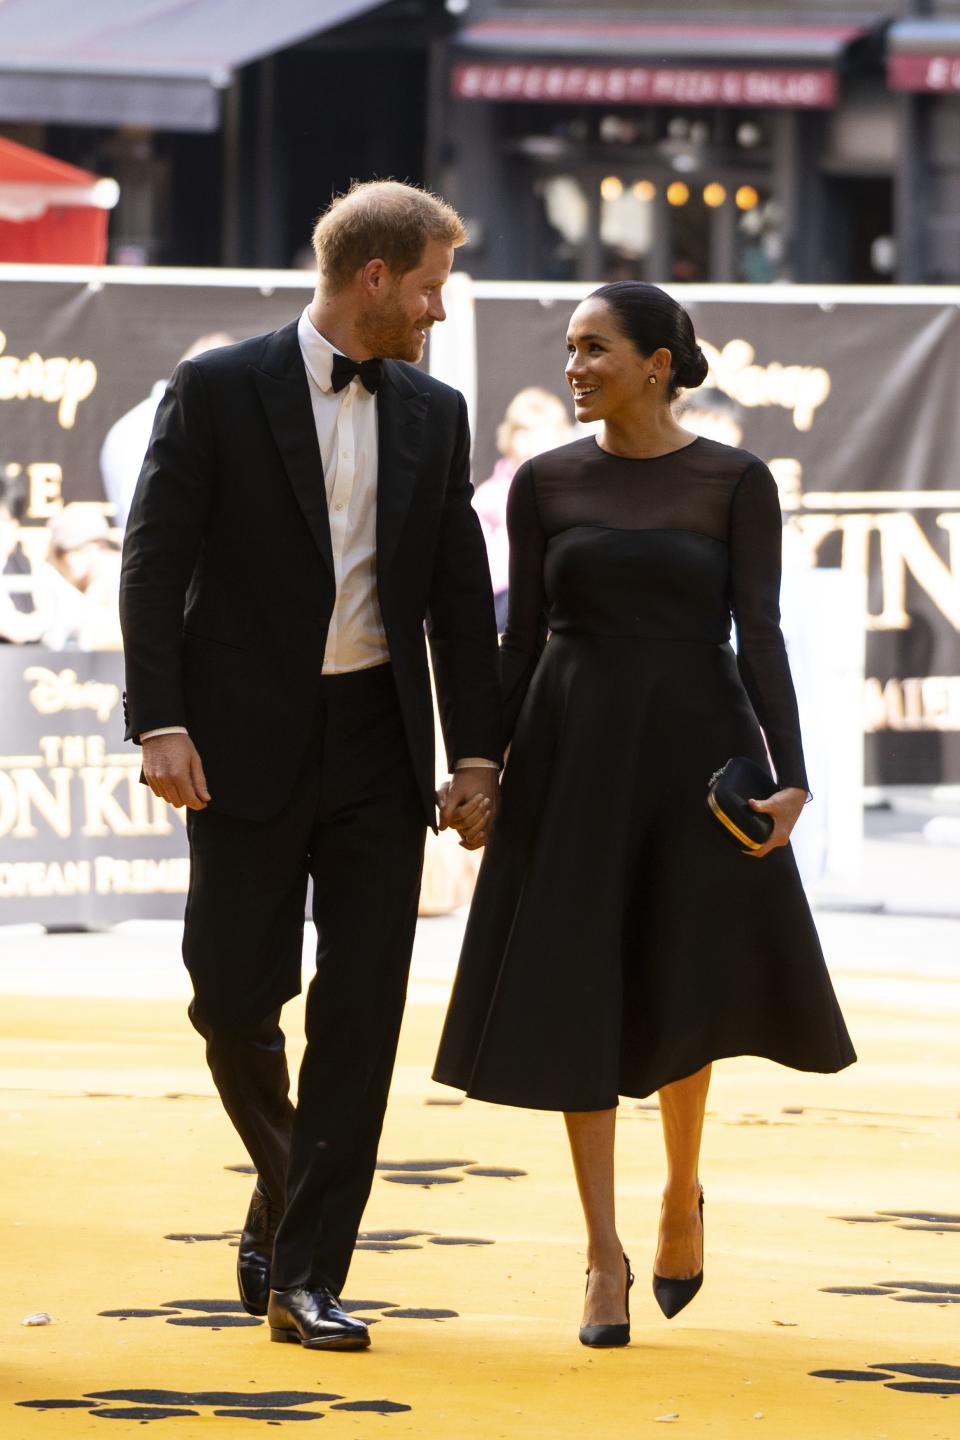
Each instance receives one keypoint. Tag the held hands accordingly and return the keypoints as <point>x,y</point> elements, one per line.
<point>172,769</point>
<point>468,804</point>
<point>785,809</point>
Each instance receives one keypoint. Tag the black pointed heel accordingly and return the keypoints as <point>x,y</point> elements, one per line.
<point>609,1337</point>
<point>675,1295</point>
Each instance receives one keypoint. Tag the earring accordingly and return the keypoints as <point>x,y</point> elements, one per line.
<point>651,379</point>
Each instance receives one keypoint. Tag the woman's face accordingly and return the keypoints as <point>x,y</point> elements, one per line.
<point>604,369</point>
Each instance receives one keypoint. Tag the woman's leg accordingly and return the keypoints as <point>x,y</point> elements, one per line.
<point>591,1134</point>
<point>682,1105</point>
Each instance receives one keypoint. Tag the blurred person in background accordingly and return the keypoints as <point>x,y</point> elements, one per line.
<point>81,581</point>
<point>20,620</point>
<point>535,420</point>
<point>122,452</point>
<point>712,413</point>
<point>82,549</point>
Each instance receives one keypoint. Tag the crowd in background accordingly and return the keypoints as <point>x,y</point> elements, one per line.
<point>61,593</point>
<point>59,584</point>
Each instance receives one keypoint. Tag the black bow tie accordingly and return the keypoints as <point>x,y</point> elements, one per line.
<point>344,369</point>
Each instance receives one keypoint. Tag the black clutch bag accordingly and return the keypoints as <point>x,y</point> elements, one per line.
<point>731,788</point>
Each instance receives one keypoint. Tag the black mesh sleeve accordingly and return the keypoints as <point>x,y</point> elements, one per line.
<point>755,548</point>
<point>526,631</point>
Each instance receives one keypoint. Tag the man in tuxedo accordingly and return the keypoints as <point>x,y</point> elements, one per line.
<point>303,509</point>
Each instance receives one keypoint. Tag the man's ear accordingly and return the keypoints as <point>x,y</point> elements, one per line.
<point>373,275</point>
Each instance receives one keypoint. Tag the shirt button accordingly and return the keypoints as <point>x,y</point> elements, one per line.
<point>338,507</point>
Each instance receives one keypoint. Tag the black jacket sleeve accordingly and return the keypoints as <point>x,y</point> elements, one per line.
<point>160,552</point>
<point>461,623</point>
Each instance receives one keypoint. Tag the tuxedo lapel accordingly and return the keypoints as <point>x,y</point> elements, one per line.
<point>285,394</point>
<point>401,418</point>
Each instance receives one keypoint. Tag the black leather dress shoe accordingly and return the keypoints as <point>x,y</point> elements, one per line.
<point>314,1319</point>
<point>255,1253</point>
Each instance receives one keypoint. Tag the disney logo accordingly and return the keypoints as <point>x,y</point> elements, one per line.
<point>59,381</point>
<point>801,389</point>
<point>55,690</point>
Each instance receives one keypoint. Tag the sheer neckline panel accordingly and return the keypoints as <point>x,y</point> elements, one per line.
<point>647,459</point>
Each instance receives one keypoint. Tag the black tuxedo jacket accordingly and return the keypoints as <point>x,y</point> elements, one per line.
<point>228,586</point>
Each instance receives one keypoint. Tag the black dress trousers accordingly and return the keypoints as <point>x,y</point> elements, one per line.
<point>355,823</point>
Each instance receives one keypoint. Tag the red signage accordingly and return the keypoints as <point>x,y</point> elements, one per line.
<point>928,73</point>
<point>814,89</point>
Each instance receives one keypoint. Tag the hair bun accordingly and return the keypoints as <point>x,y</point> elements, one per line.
<point>692,370</point>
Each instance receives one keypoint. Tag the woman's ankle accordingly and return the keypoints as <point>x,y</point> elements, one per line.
<point>607,1256</point>
<point>681,1194</point>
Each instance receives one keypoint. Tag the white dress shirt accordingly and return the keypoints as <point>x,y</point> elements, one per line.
<point>346,423</point>
<point>347,435</point>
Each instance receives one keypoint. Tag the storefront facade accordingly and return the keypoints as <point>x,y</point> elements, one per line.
<point>729,148</point>
<point>923,74</point>
<point>750,142</point>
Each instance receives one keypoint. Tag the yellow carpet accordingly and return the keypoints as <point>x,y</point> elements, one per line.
<point>115,1152</point>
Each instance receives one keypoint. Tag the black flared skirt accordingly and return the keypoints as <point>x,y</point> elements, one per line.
<point>619,939</point>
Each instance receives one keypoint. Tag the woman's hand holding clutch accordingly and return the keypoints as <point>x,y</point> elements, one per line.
<point>784,808</point>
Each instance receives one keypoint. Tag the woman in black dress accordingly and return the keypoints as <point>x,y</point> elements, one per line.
<point>619,941</point>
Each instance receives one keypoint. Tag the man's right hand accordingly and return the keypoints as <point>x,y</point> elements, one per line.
<point>172,769</point>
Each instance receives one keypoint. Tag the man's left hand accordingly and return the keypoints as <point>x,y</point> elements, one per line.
<point>468,804</point>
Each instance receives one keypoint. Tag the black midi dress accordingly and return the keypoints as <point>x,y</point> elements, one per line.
<point>619,939</point>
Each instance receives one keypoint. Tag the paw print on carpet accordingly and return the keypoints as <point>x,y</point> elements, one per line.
<point>230,1314</point>
<point>274,1406</point>
<point>915,1292</point>
<point>192,1237</point>
<point>437,1172</point>
<point>388,1241</point>
<point>938,1222</point>
<point>400,1172</point>
<point>923,1378</point>
<point>205,1314</point>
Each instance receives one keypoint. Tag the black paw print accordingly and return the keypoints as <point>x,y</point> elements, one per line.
<point>206,1314</point>
<point>398,1172</point>
<point>274,1406</point>
<point>230,1314</point>
<point>436,1172</point>
<point>937,1222</point>
<point>386,1242</point>
<point>927,1378</point>
<point>916,1292</point>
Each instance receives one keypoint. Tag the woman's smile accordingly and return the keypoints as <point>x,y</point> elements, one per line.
<point>582,392</point>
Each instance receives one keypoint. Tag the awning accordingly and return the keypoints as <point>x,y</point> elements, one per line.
<point>558,59</point>
<point>924,55</point>
<point>158,63</point>
<point>30,182</point>
<point>51,212</point>
<point>560,35</point>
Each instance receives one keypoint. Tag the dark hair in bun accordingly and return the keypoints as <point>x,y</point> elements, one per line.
<point>652,320</point>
